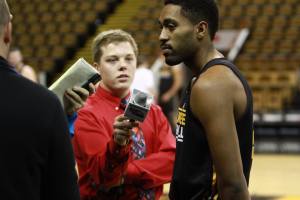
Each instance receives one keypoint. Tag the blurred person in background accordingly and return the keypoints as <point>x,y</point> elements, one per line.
<point>144,77</point>
<point>214,135</point>
<point>119,158</point>
<point>37,161</point>
<point>169,84</point>
<point>294,103</point>
<point>15,58</point>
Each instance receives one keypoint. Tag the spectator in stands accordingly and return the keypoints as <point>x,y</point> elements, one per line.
<point>15,58</point>
<point>214,124</point>
<point>119,158</point>
<point>37,161</point>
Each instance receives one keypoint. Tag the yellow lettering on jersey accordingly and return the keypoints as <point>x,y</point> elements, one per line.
<point>181,116</point>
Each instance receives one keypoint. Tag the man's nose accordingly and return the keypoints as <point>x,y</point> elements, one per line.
<point>123,65</point>
<point>163,36</point>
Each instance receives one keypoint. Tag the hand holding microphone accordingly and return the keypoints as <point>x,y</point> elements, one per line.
<point>122,127</point>
<point>136,110</point>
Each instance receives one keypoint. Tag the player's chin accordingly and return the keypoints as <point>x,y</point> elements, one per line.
<point>173,60</point>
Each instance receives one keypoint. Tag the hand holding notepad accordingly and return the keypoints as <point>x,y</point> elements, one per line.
<point>81,73</point>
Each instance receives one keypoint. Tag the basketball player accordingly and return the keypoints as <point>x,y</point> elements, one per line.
<point>214,124</point>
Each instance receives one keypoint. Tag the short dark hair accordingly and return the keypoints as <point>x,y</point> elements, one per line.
<point>198,10</point>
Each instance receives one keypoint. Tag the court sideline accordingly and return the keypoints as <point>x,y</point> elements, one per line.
<point>273,177</point>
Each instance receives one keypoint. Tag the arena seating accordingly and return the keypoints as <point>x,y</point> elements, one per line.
<point>270,58</point>
<point>120,19</point>
<point>145,29</point>
<point>49,32</point>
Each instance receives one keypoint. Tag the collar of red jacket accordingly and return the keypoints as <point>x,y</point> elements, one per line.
<point>103,93</point>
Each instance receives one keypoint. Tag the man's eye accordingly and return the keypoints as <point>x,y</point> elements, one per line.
<point>111,60</point>
<point>171,26</point>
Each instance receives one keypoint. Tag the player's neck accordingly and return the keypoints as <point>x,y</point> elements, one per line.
<point>204,55</point>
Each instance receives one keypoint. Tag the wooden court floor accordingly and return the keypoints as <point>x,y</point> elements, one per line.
<point>273,177</point>
<point>276,176</point>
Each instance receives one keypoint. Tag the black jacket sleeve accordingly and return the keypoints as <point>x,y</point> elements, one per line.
<point>61,175</point>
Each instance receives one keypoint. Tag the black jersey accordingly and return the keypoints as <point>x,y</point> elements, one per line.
<point>194,176</point>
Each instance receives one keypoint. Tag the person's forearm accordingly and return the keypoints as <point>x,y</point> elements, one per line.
<point>115,164</point>
<point>234,192</point>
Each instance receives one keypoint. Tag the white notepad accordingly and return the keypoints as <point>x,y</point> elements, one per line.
<point>76,75</point>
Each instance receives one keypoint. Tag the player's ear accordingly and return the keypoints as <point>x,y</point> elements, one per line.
<point>201,29</point>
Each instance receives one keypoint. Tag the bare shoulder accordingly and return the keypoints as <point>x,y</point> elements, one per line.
<point>216,90</point>
<point>218,80</point>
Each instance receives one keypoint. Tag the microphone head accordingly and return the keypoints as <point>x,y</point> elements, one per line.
<point>140,99</point>
<point>138,106</point>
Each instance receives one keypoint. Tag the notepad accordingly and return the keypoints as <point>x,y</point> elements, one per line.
<point>77,75</point>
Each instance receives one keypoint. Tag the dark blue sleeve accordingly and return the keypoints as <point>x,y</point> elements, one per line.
<point>71,121</point>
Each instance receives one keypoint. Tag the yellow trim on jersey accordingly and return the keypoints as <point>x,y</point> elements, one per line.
<point>182,110</point>
<point>214,185</point>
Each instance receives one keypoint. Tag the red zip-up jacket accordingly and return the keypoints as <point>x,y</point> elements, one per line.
<point>103,164</point>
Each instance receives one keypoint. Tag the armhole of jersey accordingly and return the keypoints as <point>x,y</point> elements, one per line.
<point>227,63</point>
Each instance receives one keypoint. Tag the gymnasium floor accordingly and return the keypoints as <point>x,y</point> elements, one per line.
<point>273,177</point>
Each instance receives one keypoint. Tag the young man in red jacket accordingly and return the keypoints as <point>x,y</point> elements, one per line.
<point>118,158</point>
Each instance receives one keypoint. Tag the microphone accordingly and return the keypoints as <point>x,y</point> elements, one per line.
<point>138,106</point>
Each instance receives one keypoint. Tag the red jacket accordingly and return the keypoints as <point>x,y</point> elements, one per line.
<point>103,164</point>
